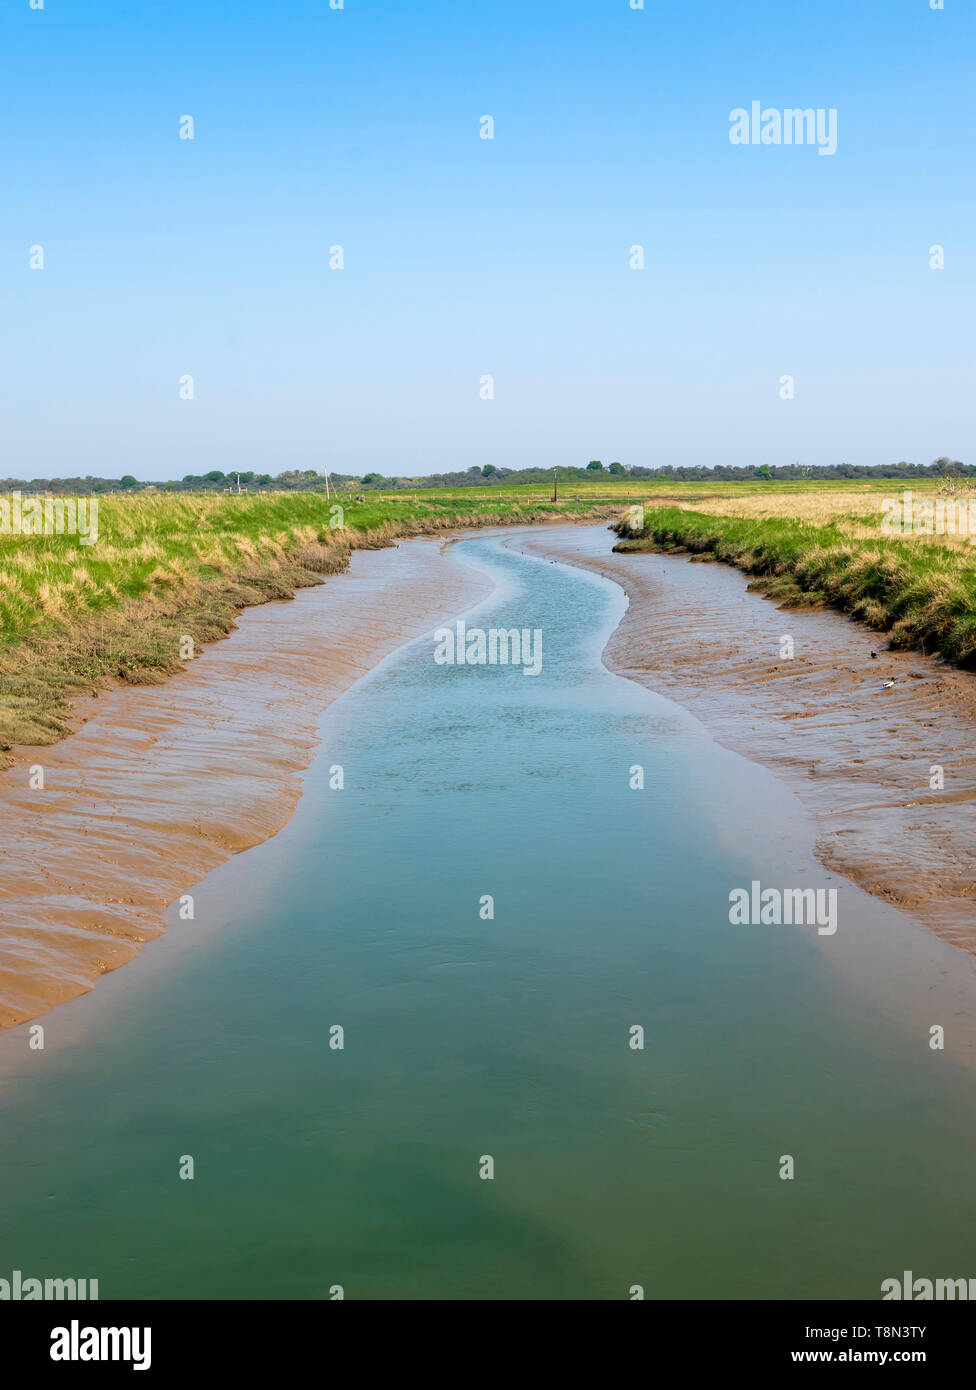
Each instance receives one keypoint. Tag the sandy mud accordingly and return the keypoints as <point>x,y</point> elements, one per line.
<point>158,785</point>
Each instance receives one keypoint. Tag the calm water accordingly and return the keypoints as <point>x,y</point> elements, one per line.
<point>509,1037</point>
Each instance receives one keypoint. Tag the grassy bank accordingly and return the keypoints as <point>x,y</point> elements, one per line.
<point>920,592</point>
<point>170,567</point>
<point>167,568</point>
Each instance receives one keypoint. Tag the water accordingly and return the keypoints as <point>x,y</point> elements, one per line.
<point>509,1038</point>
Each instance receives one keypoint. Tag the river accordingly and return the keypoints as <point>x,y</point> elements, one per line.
<point>468,1037</point>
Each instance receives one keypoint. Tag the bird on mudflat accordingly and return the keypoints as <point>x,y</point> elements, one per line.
<point>886,685</point>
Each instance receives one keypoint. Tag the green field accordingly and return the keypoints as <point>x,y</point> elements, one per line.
<point>603,487</point>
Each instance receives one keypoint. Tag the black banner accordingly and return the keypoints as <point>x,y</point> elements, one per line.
<point>175,1338</point>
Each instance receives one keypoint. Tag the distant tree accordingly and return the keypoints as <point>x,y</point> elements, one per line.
<point>617,469</point>
<point>372,477</point>
<point>764,471</point>
<point>594,465</point>
<point>489,470</point>
<point>129,481</point>
<point>214,476</point>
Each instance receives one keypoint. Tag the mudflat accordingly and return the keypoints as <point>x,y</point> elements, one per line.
<point>158,785</point>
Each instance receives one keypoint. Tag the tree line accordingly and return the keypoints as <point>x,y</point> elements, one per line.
<point>308,480</point>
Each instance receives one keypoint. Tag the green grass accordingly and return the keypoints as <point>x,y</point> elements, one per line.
<point>922,594</point>
<point>147,545</point>
<point>167,567</point>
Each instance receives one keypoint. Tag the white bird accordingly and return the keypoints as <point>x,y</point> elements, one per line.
<point>886,685</point>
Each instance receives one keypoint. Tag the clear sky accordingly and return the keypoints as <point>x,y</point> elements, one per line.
<point>465,257</point>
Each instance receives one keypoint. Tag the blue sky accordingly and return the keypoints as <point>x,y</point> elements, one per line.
<point>465,257</point>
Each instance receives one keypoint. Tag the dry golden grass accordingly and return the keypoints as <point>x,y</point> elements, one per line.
<point>854,510</point>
